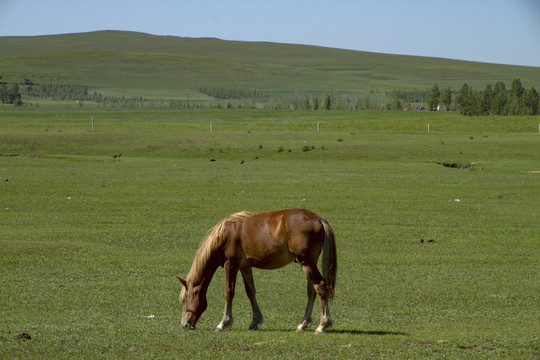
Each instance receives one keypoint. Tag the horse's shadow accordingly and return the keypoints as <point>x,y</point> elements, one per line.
<point>347,331</point>
<point>364,332</point>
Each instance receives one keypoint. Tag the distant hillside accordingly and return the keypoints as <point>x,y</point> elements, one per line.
<point>119,62</point>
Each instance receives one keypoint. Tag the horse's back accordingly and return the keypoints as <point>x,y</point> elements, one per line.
<point>273,239</point>
<point>282,224</point>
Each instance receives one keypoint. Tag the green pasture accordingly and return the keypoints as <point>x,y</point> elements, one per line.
<point>434,261</point>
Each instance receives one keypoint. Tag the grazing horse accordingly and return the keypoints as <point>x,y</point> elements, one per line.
<point>267,240</point>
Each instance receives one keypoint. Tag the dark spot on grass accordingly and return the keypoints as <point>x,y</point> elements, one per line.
<point>22,336</point>
<point>455,165</point>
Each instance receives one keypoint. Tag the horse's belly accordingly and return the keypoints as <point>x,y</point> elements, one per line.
<point>273,260</point>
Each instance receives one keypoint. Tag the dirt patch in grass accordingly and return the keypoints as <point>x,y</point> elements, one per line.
<point>457,165</point>
<point>23,336</point>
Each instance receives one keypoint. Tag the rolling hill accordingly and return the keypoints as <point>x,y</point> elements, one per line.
<point>138,64</point>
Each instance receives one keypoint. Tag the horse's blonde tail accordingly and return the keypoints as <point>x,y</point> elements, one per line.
<point>329,259</point>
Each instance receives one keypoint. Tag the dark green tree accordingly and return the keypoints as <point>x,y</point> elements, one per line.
<point>515,98</point>
<point>434,97</point>
<point>446,98</point>
<point>327,105</point>
<point>531,100</point>
<point>484,105</point>
<point>498,99</point>
<point>466,100</point>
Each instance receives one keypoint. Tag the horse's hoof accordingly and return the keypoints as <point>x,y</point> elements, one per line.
<point>218,329</point>
<point>320,330</point>
<point>255,324</point>
<point>303,326</point>
<point>221,327</point>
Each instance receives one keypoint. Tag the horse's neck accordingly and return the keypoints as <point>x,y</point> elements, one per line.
<point>207,273</point>
<point>209,257</point>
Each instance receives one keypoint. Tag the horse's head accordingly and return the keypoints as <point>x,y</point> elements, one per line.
<point>193,304</point>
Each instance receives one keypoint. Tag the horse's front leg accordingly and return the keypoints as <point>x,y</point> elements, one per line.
<point>231,270</point>
<point>247,275</point>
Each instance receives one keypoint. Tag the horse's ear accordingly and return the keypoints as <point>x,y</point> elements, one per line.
<point>182,281</point>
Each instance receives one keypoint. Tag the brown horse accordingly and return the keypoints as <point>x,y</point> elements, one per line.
<point>268,240</point>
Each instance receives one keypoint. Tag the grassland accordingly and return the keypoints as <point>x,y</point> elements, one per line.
<point>91,244</point>
<point>136,64</point>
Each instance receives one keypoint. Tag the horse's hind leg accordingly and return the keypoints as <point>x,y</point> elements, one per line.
<point>321,289</point>
<point>311,294</point>
<point>247,275</point>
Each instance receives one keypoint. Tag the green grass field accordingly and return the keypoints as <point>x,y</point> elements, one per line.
<point>91,244</point>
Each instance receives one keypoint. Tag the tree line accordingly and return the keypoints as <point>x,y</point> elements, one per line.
<point>9,93</point>
<point>58,91</point>
<point>408,96</point>
<point>393,100</point>
<point>231,93</point>
<point>495,99</point>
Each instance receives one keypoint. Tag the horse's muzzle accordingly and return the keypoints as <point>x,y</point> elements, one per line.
<point>188,327</point>
<point>188,322</point>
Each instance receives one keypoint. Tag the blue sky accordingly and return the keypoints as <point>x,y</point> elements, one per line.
<point>496,31</point>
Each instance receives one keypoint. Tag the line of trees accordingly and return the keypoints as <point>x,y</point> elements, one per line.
<point>395,100</point>
<point>224,94</point>
<point>436,97</point>
<point>408,96</point>
<point>79,92</point>
<point>9,93</point>
<point>495,99</point>
<point>58,91</point>
<point>327,102</point>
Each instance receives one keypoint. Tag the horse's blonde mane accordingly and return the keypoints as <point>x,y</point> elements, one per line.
<point>210,243</point>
